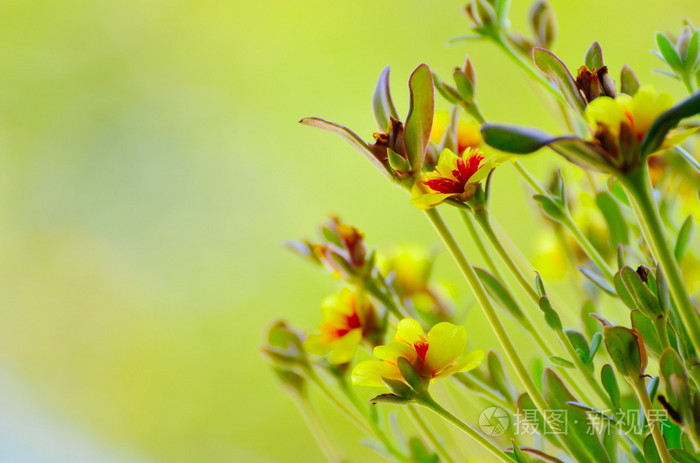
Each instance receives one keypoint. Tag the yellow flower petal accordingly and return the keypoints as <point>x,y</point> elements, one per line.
<point>370,373</point>
<point>428,200</point>
<point>446,344</point>
<point>409,331</point>
<point>394,350</point>
<point>447,162</point>
<point>468,362</point>
<point>317,344</point>
<point>605,111</point>
<point>646,105</point>
<point>344,349</point>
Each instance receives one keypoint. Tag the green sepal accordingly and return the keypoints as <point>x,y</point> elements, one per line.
<point>382,103</point>
<point>397,162</point>
<point>594,56</point>
<point>629,83</point>
<point>419,122</point>
<point>626,350</point>
<point>411,375</point>
<point>555,69</point>
<point>391,399</point>
<point>399,388</point>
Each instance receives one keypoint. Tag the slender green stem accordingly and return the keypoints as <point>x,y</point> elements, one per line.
<point>494,321</point>
<point>476,386</point>
<point>318,431</point>
<point>645,402</point>
<point>483,220</point>
<point>661,325</point>
<point>425,429</point>
<point>428,402</point>
<point>638,187</point>
<point>372,417</point>
<point>479,243</point>
<point>588,247</point>
<point>338,404</point>
<point>570,224</point>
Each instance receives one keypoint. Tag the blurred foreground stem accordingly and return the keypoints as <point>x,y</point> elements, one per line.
<point>318,431</point>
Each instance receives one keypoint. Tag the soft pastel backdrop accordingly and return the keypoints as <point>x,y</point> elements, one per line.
<point>150,168</point>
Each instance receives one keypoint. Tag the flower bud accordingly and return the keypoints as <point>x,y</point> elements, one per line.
<point>543,24</point>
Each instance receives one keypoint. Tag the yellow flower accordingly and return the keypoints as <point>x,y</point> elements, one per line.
<point>468,133</point>
<point>633,113</point>
<point>348,319</point>
<point>440,353</point>
<point>455,177</point>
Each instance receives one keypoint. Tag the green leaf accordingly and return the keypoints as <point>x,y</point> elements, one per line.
<point>668,52</point>
<point>609,382</point>
<point>515,139</point>
<point>629,83</point>
<point>594,56</point>
<point>597,280</point>
<point>539,285</point>
<point>499,292</point>
<point>551,207</point>
<point>447,91</point>
<point>399,388</point>
<point>596,341</point>
<point>556,70</point>
<point>643,298</point>
<point>644,325</point>
<point>383,106</point>
<point>550,315</point>
<point>625,350</point>
<point>681,456</point>
<point>650,452</point>
<point>684,237</point>
<point>662,291</point>
<point>667,121</point>
<point>350,137</point>
<point>419,122</point>
<point>580,343</point>
<point>420,454</point>
<point>692,54</point>
<point>498,374</point>
<point>391,399</point>
<point>557,396</point>
<point>613,217</point>
<point>583,153</point>
<point>464,86</point>
<point>561,362</point>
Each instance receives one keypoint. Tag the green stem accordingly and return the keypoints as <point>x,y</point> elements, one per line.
<point>476,386</point>
<point>372,417</point>
<point>428,402</point>
<point>437,445</point>
<point>318,431</point>
<point>643,397</point>
<point>638,187</point>
<point>661,326</point>
<point>479,243</point>
<point>338,404</point>
<point>494,321</point>
<point>587,246</point>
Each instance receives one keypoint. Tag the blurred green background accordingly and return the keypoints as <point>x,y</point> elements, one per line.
<point>151,166</point>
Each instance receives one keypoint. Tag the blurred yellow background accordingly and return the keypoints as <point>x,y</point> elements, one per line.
<point>151,168</point>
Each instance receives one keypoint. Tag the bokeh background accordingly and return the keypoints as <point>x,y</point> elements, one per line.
<point>150,168</point>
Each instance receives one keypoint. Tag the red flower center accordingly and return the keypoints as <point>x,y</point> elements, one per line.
<point>464,171</point>
<point>421,348</point>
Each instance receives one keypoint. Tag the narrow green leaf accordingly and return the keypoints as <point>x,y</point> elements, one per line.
<point>594,56</point>
<point>667,121</point>
<point>420,453</point>
<point>596,341</point>
<point>539,285</point>
<point>668,52</point>
<point>349,136</point>
<point>653,387</point>
<point>597,280</point>
<point>381,102</point>
<point>561,362</point>
<point>419,122</point>
<point>681,456</point>
<point>500,293</point>
<point>644,299</point>
<point>499,376</point>
<point>550,315</point>
<point>684,237</point>
<point>607,378</point>
<point>515,139</point>
<point>556,70</point>
<point>617,224</point>
<point>447,91</point>
<point>692,55</point>
<point>551,208</point>
<point>644,325</point>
